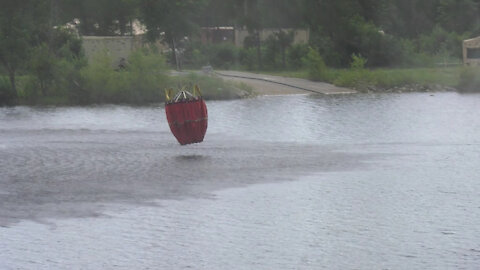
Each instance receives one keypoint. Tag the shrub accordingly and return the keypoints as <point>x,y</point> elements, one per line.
<point>317,70</point>
<point>198,59</point>
<point>7,96</point>
<point>248,58</point>
<point>222,55</point>
<point>271,53</point>
<point>141,81</point>
<point>358,62</point>
<point>42,66</point>
<point>469,79</point>
<point>441,42</point>
<point>295,54</point>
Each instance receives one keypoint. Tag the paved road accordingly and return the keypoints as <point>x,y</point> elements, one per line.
<point>277,85</point>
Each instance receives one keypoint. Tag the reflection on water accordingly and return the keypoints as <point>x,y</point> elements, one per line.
<point>344,182</point>
<point>191,157</point>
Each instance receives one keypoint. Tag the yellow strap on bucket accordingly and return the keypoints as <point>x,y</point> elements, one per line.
<point>168,94</point>
<point>196,91</point>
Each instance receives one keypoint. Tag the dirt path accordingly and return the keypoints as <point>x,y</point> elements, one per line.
<point>276,85</point>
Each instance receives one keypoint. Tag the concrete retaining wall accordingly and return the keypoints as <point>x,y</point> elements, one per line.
<point>117,48</point>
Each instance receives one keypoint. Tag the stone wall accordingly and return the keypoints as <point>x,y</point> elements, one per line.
<point>117,48</point>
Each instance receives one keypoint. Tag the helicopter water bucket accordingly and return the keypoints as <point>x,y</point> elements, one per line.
<point>187,115</point>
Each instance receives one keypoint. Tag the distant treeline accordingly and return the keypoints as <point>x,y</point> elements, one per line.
<point>386,32</point>
<point>36,40</point>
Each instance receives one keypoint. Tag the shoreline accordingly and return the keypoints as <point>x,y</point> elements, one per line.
<point>278,85</point>
<point>239,85</point>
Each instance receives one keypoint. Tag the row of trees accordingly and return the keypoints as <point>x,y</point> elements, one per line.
<point>385,32</point>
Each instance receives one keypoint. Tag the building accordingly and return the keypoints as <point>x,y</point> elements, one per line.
<point>300,36</point>
<point>471,52</point>
<point>119,47</point>
<point>212,35</point>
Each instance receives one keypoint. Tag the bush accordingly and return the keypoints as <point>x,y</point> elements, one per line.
<point>317,70</point>
<point>271,53</point>
<point>7,96</point>
<point>295,54</point>
<point>141,81</point>
<point>441,42</point>
<point>222,55</point>
<point>358,62</point>
<point>248,58</point>
<point>42,65</point>
<point>469,79</point>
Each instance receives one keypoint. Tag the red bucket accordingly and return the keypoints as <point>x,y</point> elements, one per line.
<point>187,118</point>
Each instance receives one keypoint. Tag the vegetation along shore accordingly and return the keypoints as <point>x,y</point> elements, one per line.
<point>349,43</point>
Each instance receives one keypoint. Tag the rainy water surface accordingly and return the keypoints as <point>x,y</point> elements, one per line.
<point>287,182</point>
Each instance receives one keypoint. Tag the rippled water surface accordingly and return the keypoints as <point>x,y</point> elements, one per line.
<point>288,182</point>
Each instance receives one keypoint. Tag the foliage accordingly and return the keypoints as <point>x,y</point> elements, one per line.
<point>7,96</point>
<point>20,23</point>
<point>441,43</point>
<point>276,48</point>
<point>99,17</point>
<point>41,57</point>
<point>139,83</point>
<point>295,54</point>
<point>469,79</point>
<point>248,58</point>
<point>363,79</point>
<point>169,21</point>
<point>389,78</point>
<point>391,33</point>
<point>221,55</point>
<point>317,69</point>
<point>358,62</point>
<point>271,53</point>
<point>42,65</point>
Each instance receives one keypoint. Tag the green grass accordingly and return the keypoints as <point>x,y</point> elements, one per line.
<point>303,73</point>
<point>212,87</point>
<point>142,82</point>
<point>389,78</point>
<point>384,78</point>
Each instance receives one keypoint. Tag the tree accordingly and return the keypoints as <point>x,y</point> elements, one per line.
<point>22,23</point>
<point>101,17</point>
<point>169,20</point>
<point>458,15</point>
<point>251,18</point>
<point>225,13</point>
<point>284,41</point>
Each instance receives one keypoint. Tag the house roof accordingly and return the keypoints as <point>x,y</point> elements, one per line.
<point>476,39</point>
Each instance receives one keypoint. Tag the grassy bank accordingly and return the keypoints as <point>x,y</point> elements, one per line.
<point>387,79</point>
<point>142,81</point>
<point>415,79</point>
<point>213,88</point>
<point>384,79</point>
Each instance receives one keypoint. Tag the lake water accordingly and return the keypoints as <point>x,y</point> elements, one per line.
<point>382,181</point>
